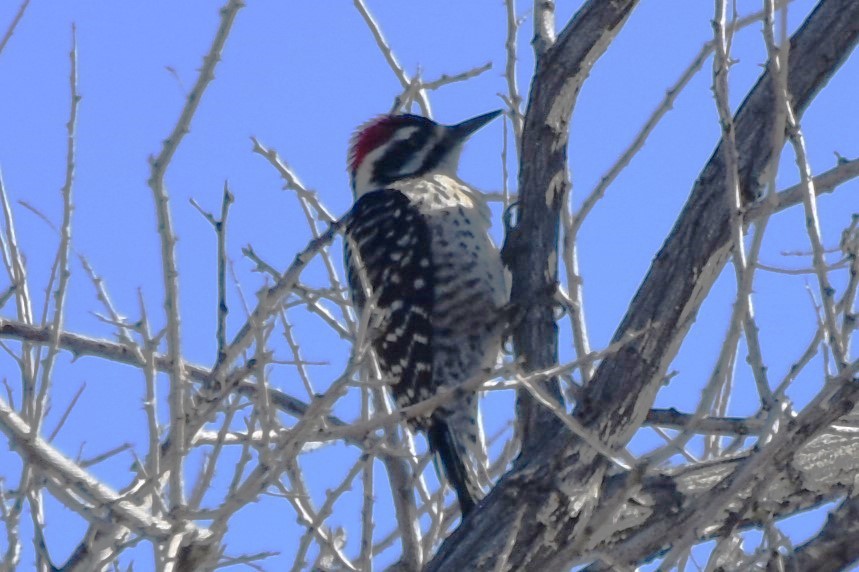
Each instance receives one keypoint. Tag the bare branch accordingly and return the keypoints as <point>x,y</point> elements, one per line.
<point>544,26</point>
<point>445,79</point>
<point>531,249</point>
<point>93,498</point>
<point>386,50</point>
<point>812,225</point>
<point>67,412</point>
<point>514,99</point>
<point>62,259</point>
<point>715,425</point>
<point>159,165</point>
<point>11,29</point>
<point>834,401</point>
<point>834,547</point>
<point>825,182</point>
<point>656,116</point>
<point>220,228</point>
<point>561,471</point>
<point>269,299</point>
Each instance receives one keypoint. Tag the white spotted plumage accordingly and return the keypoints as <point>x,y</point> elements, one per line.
<point>418,238</point>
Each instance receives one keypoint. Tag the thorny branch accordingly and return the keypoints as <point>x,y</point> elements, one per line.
<point>562,470</point>
<point>628,509</point>
<point>14,24</point>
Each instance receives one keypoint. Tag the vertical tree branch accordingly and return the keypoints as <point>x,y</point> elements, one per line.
<point>62,259</point>
<point>531,250</point>
<point>223,308</point>
<point>812,226</point>
<point>544,26</point>
<point>561,475</point>
<point>514,99</point>
<point>159,165</point>
<point>220,228</point>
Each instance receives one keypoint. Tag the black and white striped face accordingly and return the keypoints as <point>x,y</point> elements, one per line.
<point>394,147</point>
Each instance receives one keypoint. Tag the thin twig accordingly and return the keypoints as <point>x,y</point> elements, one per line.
<point>513,98</point>
<point>61,473</point>
<point>150,400</point>
<point>365,557</point>
<point>101,457</point>
<point>446,79</point>
<point>62,259</point>
<point>67,412</point>
<point>309,297</point>
<point>395,66</point>
<point>220,228</point>
<point>159,165</point>
<point>11,29</point>
<point>812,225</point>
<point>656,116</point>
<point>270,298</point>
<point>723,369</point>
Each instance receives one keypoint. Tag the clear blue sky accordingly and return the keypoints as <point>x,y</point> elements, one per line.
<point>300,76</point>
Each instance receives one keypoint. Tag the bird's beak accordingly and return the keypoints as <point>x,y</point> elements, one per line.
<point>464,130</point>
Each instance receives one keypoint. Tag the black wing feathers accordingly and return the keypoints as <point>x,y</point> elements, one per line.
<point>389,241</point>
<point>443,442</point>
<point>388,251</point>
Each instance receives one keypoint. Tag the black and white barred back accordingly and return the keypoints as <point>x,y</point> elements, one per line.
<point>418,244</point>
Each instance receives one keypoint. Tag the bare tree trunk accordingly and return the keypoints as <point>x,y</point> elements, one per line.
<point>549,511</point>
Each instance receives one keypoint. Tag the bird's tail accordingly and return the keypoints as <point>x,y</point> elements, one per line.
<point>455,459</point>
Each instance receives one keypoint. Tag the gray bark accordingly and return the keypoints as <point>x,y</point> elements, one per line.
<point>545,513</point>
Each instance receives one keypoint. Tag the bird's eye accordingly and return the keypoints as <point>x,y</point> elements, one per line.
<point>405,155</point>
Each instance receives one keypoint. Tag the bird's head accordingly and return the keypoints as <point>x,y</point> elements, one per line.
<point>393,147</point>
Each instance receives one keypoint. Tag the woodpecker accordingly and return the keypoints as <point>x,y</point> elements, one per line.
<point>417,243</point>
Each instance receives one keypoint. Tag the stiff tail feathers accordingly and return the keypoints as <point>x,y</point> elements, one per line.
<point>454,460</point>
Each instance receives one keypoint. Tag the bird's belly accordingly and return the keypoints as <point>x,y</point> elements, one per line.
<point>470,293</point>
